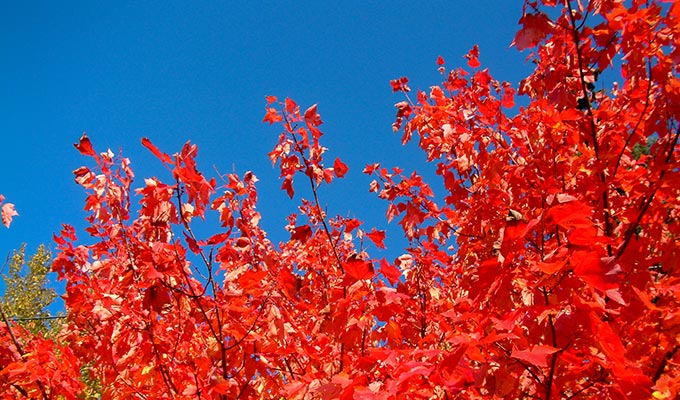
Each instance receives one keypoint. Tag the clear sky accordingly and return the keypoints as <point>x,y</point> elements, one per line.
<point>200,70</point>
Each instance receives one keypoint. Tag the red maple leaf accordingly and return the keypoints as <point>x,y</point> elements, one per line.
<point>156,152</point>
<point>537,355</point>
<point>84,146</point>
<point>391,272</point>
<point>358,269</point>
<point>473,57</point>
<point>377,237</point>
<point>535,27</point>
<point>339,168</point>
<point>8,212</point>
<point>272,116</point>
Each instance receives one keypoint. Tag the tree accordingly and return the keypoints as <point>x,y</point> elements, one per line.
<point>26,300</point>
<point>27,294</point>
<point>34,363</point>
<point>547,270</point>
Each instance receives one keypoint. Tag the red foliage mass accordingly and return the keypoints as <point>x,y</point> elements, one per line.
<point>548,270</point>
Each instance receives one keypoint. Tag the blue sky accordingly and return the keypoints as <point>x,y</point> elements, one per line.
<point>177,70</point>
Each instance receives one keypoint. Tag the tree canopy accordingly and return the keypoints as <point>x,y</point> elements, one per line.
<point>547,269</point>
<point>27,292</point>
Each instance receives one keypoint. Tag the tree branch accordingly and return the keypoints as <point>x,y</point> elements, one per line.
<point>591,117</point>
<point>21,351</point>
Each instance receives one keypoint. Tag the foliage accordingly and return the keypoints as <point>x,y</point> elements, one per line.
<point>34,363</point>
<point>549,269</point>
<point>27,294</point>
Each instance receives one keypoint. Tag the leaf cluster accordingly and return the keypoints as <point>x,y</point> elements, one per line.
<point>27,291</point>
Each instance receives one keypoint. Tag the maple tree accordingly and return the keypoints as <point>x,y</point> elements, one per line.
<point>548,269</point>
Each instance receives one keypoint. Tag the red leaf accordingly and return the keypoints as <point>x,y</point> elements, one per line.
<point>537,356</point>
<point>340,168</point>
<point>534,29</point>
<point>551,267</point>
<point>572,214</point>
<point>391,272</point>
<point>301,233</point>
<point>570,114</point>
<point>271,99</point>
<point>161,156</point>
<point>609,341</point>
<point>15,368</point>
<point>358,268</point>
<point>414,368</point>
<point>218,238</point>
<point>400,85</point>
<point>271,116</point>
<point>251,279</point>
<point>615,294</point>
<point>508,99</point>
<point>191,242</point>
<point>8,212</point>
<point>370,168</point>
<point>514,230</point>
<point>377,237</point>
<point>288,186</point>
<point>598,273</point>
<point>220,386</point>
<point>84,146</point>
<point>473,57</point>
<point>312,117</point>
<point>351,225</point>
<point>440,60</point>
<point>155,297</point>
<point>290,105</point>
